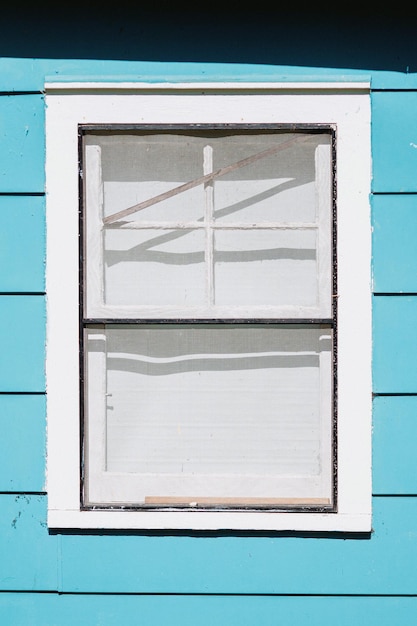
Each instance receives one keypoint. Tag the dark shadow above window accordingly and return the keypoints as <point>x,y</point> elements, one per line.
<point>231,34</point>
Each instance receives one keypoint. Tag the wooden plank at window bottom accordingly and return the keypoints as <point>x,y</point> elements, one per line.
<point>181,501</point>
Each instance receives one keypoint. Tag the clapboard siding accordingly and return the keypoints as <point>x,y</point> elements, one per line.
<point>22,443</point>
<point>394,141</point>
<point>394,220</point>
<point>22,244</point>
<point>22,341</point>
<point>110,610</point>
<point>383,563</point>
<point>30,558</point>
<point>394,445</point>
<point>394,344</point>
<point>22,137</point>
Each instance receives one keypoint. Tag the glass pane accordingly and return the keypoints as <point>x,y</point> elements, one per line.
<point>266,267</point>
<point>136,168</point>
<point>200,408</point>
<point>279,187</point>
<point>154,267</point>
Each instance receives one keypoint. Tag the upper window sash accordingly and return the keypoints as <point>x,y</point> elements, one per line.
<point>208,223</point>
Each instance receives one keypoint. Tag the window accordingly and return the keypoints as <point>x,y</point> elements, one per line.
<point>209,306</point>
<point>202,247</point>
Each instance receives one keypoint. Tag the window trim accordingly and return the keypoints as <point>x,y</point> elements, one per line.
<point>347,105</point>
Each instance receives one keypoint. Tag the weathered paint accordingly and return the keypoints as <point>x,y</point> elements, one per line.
<point>29,554</point>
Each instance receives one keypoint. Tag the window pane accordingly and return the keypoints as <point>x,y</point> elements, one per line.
<point>154,267</point>
<point>138,167</point>
<point>266,267</point>
<point>280,187</point>
<point>225,411</point>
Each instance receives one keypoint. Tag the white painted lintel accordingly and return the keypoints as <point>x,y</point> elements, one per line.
<point>136,87</point>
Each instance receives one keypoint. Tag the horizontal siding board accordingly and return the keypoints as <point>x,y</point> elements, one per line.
<point>28,553</point>
<point>22,443</point>
<point>91,610</point>
<point>21,75</point>
<point>22,244</point>
<point>394,141</point>
<point>22,139</point>
<point>394,221</point>
<point>384,563</point>
<point>385,80</point>
<point>395,445</point>
<point>22,341</point>
<point>394,344</point>
<point>18,74</point>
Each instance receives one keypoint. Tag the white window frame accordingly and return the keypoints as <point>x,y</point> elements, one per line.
<point>346,106</point>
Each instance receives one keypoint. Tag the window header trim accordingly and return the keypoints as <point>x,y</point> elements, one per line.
<point>220,87</point>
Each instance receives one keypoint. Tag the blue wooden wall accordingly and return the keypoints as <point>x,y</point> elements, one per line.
<point>103,579</point>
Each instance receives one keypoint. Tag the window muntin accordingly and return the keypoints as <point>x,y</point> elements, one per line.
<point>221,225</point>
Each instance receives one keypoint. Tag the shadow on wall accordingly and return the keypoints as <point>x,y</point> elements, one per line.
<point>225,32</point>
